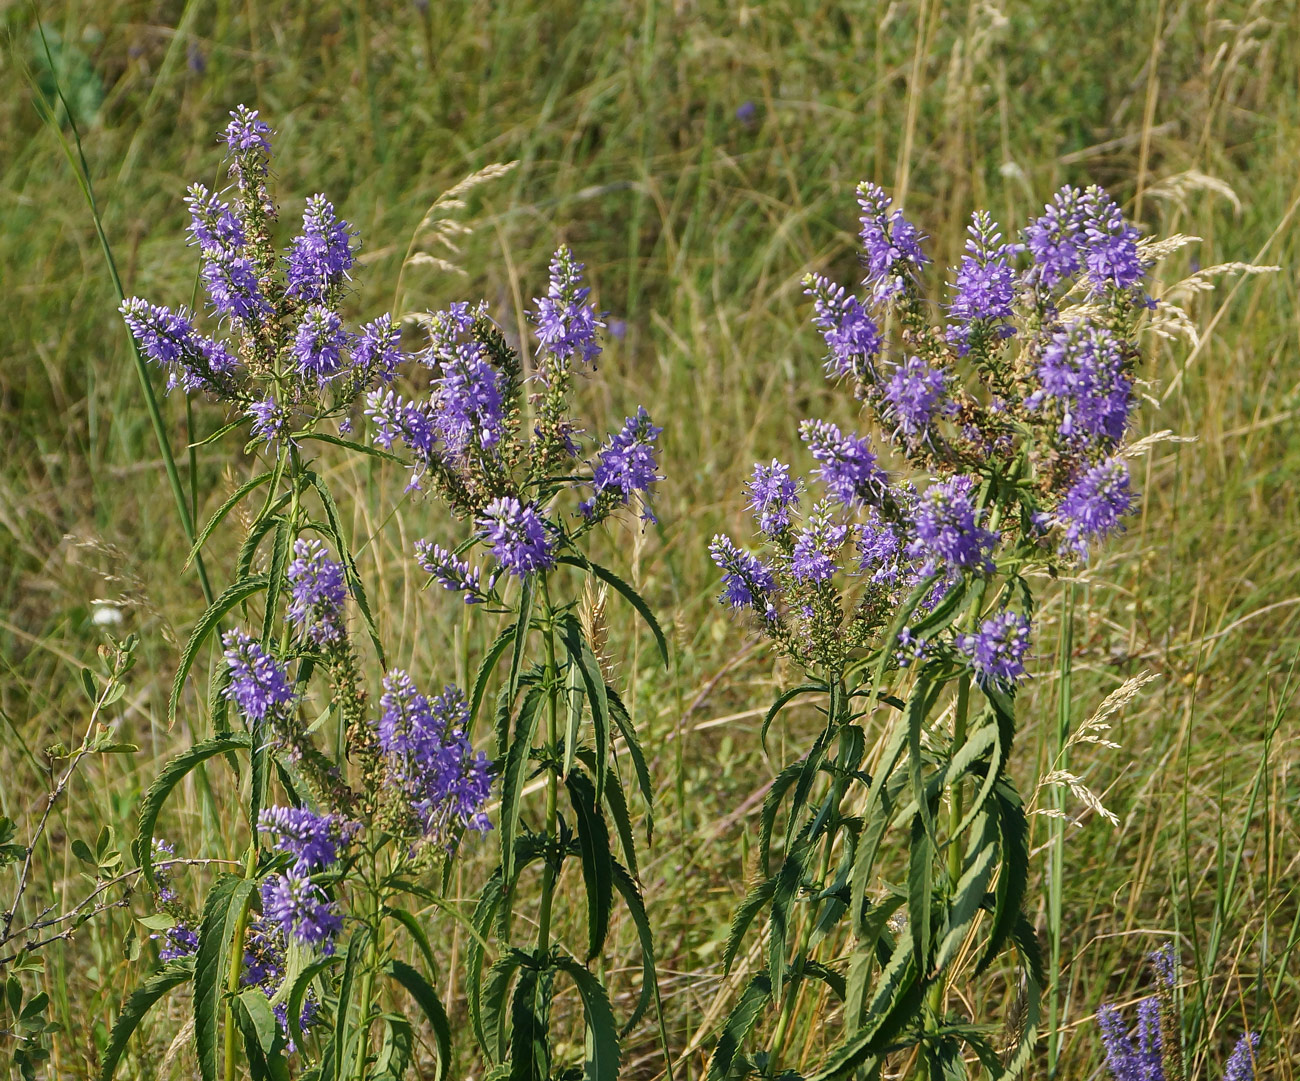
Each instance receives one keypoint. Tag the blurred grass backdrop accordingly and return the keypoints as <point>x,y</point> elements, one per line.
<point>700,157</point>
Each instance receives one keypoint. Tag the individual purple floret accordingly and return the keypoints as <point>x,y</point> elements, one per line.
<point>377,349</point>
<point>1082,373</point>
<point>169,339</point>
<point>259,685</point>
<point>1095,505</point>
<point>179,941</point>
<point>816,547</point>
<point>985,286</point>
<point>521,539</point>
<point>453,573</point>
<point>747,582</point>
<point>1148,1052</point>
<point>1055,239</point>
<point>213,226</point>
<point>468,401</point>
<point>246,132</point>
<point>320,258</point>
<point>316,592</point>
<point>1241,1064</point>
<point>1112,252</point>
<point>566,323</point>
<point>773,493</point>
<point>848,467</point>
<point>319,342</point>
<point>301,910</point>
<point>916,393</point>
<point>851,334</point>
<point>270,419</point>
<point>313,840</point>
<point>996,652</point>
<point>947,530</point>
<point>626,467</point>
<point>891,244</point>
<point>430,755</point>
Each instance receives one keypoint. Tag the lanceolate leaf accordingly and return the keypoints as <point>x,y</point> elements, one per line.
<point>602,1056</point>
<point>597,860</point>
<point>760,894</point>
<point>233,501</point>
<point>347,444</point>
<point>240,591</point>
<point>485,911</point>
<point>628,594</point>
<point>920,890</point>
<point>221,911</point>
<point>623,719</point>
<point>431,1004</point>
<point>788,881</point>
<point>298,994</point>
<point>520,636</point>
<point>397,1051</point>
<point>162,786</point>
<point>616,802</point>
<point>593,684</point>
<point>649,978</point>
<point>783,700</point>
<point>263,1047</point>
<point>515,774</point>
<point>336,1061</point>
<point>756,996</point>
<point>493,1001</point>
<point>140,1001</point>
<point>485,668</point>
<point>1014,875</point>
<point>355,586</point>
<point>771,806</point>
<point>968,898</point>
<point>275,581</point>
<point>530,1049</point>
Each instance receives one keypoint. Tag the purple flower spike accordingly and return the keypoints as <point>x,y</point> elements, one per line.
<point>1055,239</point>
<point>891,244</point>
<point>313,840</point>
<point>566,323</point>
<point>997,651</point>
<point>452,573</point>
<point>213,227</point>
<point>916,392</point>
<point>320,258</point>
<point>1082,373</point>
<point>626,467</point>
<point>1095,505</point>
<point>377,349</point>
<point>521,539</point>
<point>948,533</point>
<point>773,493</point>
<point>1241,1064</point>
<point>317,591</point>
<point>851,334</point>
<point>319,342</point>
<point>817,546</point>
<point>301,910</point>
<point>747,581</point>
<point>1112,252</point>
<point>985,286</point>
<point>848,467</point>
<point>259,684</point>
<point>246,132</point>
<point>468,400</point>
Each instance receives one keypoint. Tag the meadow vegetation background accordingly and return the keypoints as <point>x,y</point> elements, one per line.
<point>700,158</point>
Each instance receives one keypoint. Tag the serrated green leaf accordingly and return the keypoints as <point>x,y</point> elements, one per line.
<point>485,668</point>
<point>221,912</point>
<point>597,861</point>
<point>603,1057</point>
<point>758,895</point>
<point>520,639</point>
<point>396,1051</point>
<point>784,699</point>
<point>628,594</point>
<point>138,1003</point>
<point>240,591</point>
<point>593,684</point>
<point>219,515</point>
<point>1013,830</point>
<point>162,786</point>
<point>627,886</point>
<point>530,1047</point>
<point>515,774</point>
<point>736,1029</point>
<point>427,998</point>
<point>347,444</point>
<point>920,890</point>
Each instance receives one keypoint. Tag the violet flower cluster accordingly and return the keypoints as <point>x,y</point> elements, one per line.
<point>438,781</point>
<point>467,437</point>
<point>275,347</point>
<point>1141,1056</point>
<point>1002,435</point>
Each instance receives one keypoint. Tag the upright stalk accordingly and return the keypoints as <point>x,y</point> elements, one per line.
<point>791,997</point>
<point>1056,851</point>
<point>552,775</point>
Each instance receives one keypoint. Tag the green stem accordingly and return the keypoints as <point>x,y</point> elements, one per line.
<point>1056,851</point>
<point>368,977</point>
<point>82,170</point>
<point>791,996</point>
<point>552,777</point>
